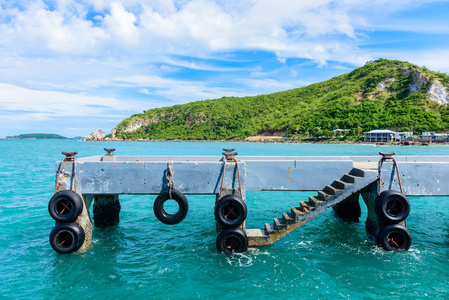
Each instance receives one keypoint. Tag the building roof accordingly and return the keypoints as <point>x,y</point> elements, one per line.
<point>380,131</point>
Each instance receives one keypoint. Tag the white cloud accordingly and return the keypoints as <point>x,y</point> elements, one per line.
<point>145,91</point>
<point>100,51</point>
<point>197,27</point>
<point>181,91</point>
<point>305,29</point>
<point>120,24</point>
<point>436,60</point>
<point>22,103</point>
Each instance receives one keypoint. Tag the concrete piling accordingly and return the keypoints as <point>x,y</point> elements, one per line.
<point>106,210</point>
<point>349,209</point>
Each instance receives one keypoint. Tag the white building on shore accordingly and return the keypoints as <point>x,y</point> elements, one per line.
<point>385,136</point>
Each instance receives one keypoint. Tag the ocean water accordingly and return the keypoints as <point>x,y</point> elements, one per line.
<point>141,257</point>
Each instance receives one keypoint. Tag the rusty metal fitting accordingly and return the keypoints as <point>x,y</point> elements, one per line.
<point>387,155</point>
<point>109,152</point>
<point>229,154</point>
<point>69,155</point>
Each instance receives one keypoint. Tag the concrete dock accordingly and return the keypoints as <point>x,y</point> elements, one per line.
<point>337,181</point>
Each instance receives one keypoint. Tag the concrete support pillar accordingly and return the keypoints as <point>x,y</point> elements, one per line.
<point>66,180</point>
<point>86,223</point>
<point>372,224</point>
<point>349,209</point>
<point>106,210</point>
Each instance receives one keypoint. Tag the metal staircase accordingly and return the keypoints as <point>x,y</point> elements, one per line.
<point>332,194</point>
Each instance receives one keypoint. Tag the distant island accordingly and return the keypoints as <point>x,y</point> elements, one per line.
<point>40,136</point>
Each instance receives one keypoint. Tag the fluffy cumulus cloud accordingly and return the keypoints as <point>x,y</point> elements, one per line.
<point>198,27</point>
<point>117,51</point>
<point>319,30</point>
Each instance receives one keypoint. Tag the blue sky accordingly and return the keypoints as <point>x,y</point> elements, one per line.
<point>73,67</point>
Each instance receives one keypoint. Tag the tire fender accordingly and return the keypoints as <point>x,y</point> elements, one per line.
<point>162,215</point>
<point>65,206</point>
<point>232,240</point>
<point>230,211</point>
<point>67,237</point>
<point>394,237</point>
<point>392,206</point>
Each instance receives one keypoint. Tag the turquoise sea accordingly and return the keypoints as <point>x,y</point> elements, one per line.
<point>141,257</point>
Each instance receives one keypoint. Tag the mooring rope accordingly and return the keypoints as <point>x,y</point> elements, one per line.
<point>169,173</point>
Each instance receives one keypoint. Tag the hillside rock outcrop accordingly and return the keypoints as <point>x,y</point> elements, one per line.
<point>98,135</point>
<point>385,84</point>
<point>419,81</point>
<point>438,92</point>
<point>135,126</point>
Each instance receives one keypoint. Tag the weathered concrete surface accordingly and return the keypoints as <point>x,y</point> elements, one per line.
<point>86,224</point>
<point>66,181</point>
<point>201,175</point>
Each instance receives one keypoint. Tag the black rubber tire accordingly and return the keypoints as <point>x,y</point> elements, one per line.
<point>232,240</point>
<point>65,206</point>
<point>165,217</point>
<point>230,211</point>
<point>67,237</point>
<point>392,206</point>
<point>394,238</point>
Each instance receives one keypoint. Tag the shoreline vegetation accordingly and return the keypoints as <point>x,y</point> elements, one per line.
<point>40,136</point>
<point>285,140</point>
<point>383,94</point>
<point>29,136</point>
<point>254,139</point>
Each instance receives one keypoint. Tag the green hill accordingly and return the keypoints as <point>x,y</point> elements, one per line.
<point>37,136</point>
<point>382,94</point>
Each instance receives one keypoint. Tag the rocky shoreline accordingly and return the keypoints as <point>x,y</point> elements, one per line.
<point>100,136</point>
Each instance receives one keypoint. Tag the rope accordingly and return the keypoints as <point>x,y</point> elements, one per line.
<point>169,172</point>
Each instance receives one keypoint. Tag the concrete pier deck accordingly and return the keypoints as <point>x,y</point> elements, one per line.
<point>337,180</point>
